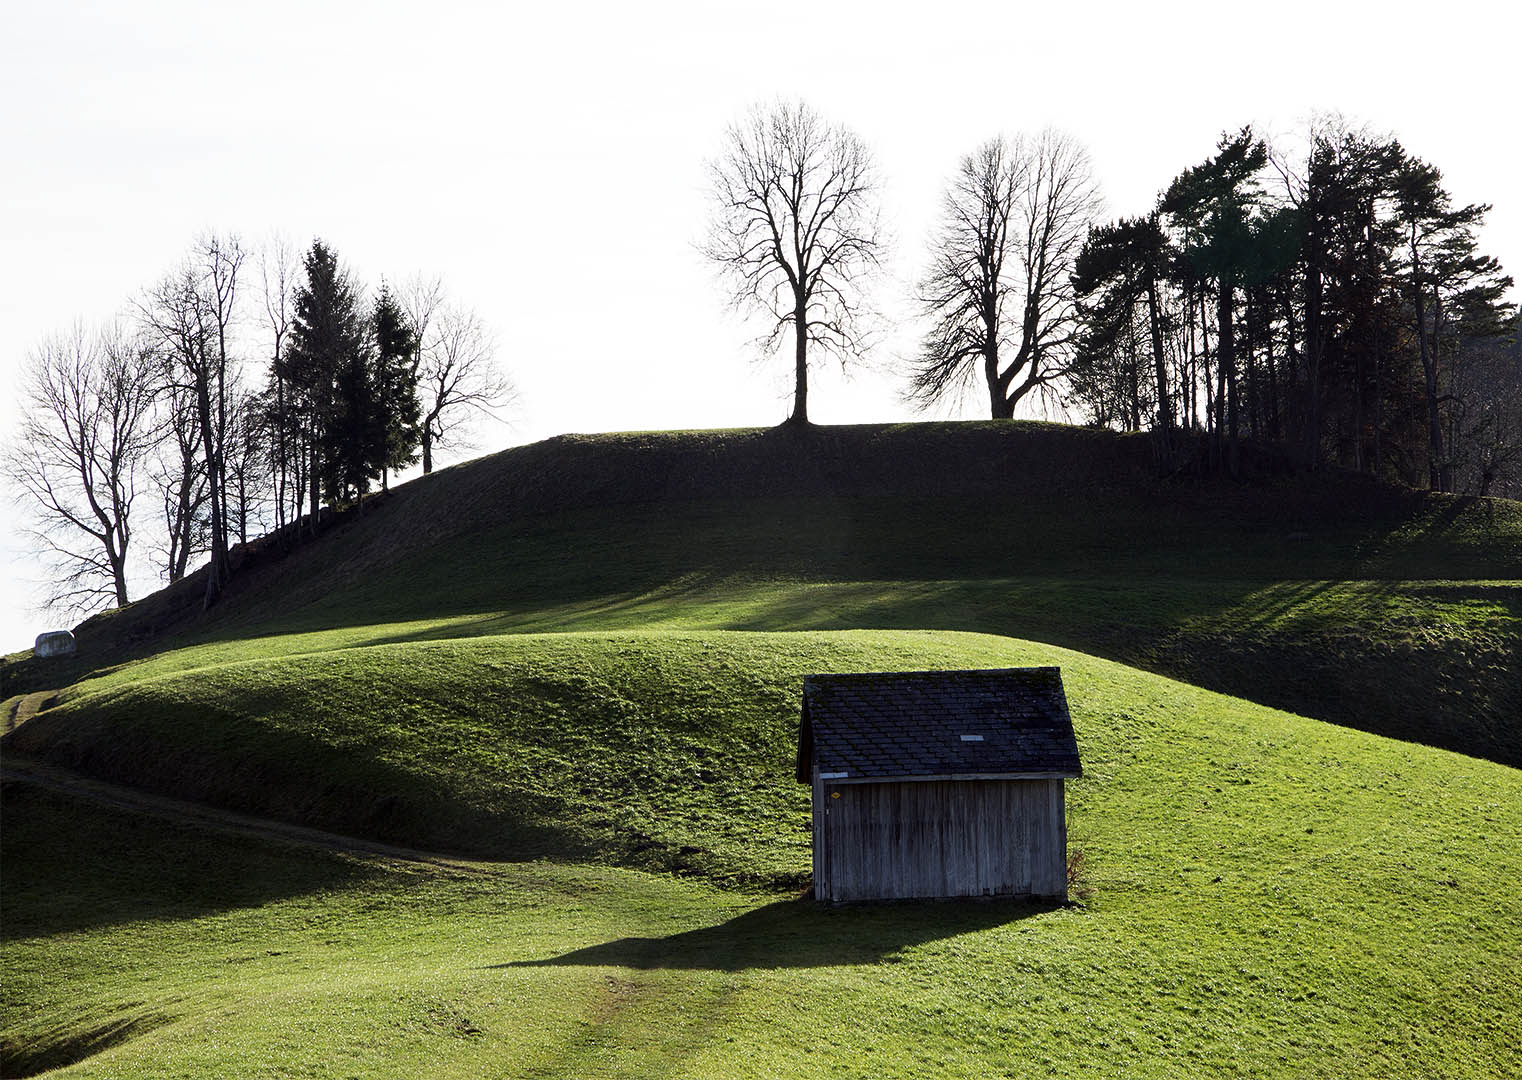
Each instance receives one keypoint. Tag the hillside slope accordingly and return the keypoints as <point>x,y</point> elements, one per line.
<point>1336,597</point>
<point>1263,894</point>
<point>584,658</point>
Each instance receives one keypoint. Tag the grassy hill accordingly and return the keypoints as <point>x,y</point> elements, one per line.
<point>1269,895</point>
<point>582,659</point>
<point>1393,611</point>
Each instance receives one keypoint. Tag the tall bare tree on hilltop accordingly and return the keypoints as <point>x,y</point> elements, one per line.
<point>999,287</point>
<point>795,230</point>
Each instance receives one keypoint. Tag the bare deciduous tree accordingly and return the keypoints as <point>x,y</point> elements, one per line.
<point>795,230</point>
<point>457,375</point>
<point>1013,221</point>
<point>191,314</point>
<point>421,298</point>
<point>178,473</point>
<point>278,267</point>
<point>87,425</point>
<point>249,472</point>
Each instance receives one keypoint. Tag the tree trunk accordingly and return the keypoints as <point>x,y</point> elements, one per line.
<point>1379,406</point>
<point>427,450</point>
<point>996,402</point>
<point>312,473</point>
<point>1444,467</point>
<point>1429,372</point>
<point>280,451</point>
<point>1164,405</point>
<point>216,569</point>
<point>181,558</point>
<point>298,484</point>
<point>119,574</point>
<point>1133,373</point>
<point>1226,366</point>
<point>1313,345</point>
<point>1250,368</point>
<point>800,365</point>
<point>1210,400</point>
<point>1272,375</point>
<point>1190,394</point>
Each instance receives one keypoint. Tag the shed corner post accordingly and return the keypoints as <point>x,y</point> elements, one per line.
<point>820,832</point>
<point>1059,797</point>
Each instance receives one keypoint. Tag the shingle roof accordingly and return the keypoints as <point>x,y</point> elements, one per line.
<point>936,723</point>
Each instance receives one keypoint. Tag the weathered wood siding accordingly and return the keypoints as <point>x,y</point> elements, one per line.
<point>932,838</point>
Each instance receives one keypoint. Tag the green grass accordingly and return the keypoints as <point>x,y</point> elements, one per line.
<point>1350,625</point>
<point>1271,895</point>
<point>526,659</point>
<point>1035,530</point>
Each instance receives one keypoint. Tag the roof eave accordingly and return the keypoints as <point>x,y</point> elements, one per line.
<point>1031,774</point>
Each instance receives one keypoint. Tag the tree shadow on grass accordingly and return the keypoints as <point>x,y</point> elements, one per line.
<point>802,933</point>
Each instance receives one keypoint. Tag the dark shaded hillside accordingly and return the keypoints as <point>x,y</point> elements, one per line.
<point>592,472</point>
<point>1333,596</point>
<point>575,472</point>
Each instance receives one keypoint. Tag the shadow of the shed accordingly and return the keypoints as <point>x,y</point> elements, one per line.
<point>801,933</point>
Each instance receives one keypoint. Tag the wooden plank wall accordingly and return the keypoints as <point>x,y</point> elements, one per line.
<point>939,838</point>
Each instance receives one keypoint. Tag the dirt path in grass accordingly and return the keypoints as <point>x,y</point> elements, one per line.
<point>25,771</point>
<point>18,710</point>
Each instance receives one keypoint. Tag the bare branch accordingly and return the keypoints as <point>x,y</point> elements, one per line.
<point>795,231</point>
<point>458,375</point>
<point>1013,219</point>
<point>86,429</point>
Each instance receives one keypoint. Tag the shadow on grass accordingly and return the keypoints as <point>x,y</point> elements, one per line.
<point>18,1059</point>
<point>801,933</point>
<point>70,866</point>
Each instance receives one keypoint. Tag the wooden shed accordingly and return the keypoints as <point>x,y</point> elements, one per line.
<point>938,783</point>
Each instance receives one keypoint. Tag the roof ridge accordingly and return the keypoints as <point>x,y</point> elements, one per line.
<point>933,671</point>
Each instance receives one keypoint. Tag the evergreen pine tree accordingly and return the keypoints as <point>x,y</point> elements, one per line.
<point>325,365</point>
<point>1119,267</point>
<point>1213,204</point>
<point>400,413</point>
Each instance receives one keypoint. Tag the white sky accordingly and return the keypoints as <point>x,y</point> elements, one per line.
<point>548,160</point>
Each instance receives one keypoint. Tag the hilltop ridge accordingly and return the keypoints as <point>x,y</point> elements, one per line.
<point>1013,459</point>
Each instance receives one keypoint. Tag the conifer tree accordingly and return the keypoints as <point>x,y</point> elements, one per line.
<point>399,413</point>
<point>323,365</point>
<point>1443,265</point>
<point>1119,266</point>
<point>1213,203</point>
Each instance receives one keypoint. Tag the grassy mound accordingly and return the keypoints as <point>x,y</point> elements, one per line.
<point>1389,610</point>
<point>585,657</point>
<point>663,750</point>
<point>668,751</point>
<point>1269,895</point>
<point>1407,625</point>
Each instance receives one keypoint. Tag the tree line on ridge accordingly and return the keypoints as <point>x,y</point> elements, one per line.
<point>1332,300</point>
<point>170,407</point>
<point>1335,300</point>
